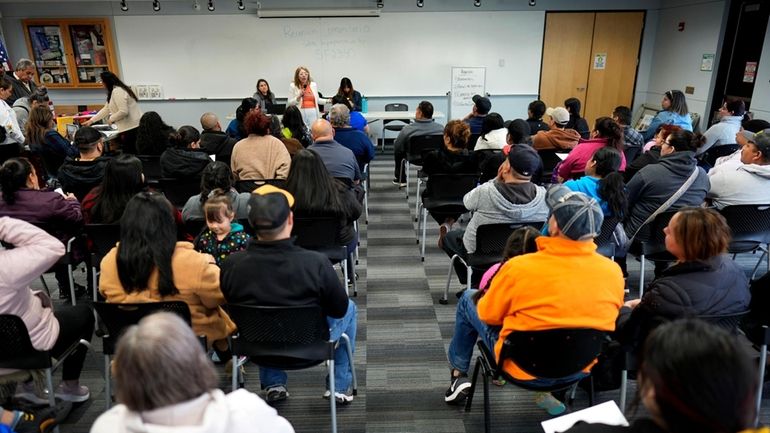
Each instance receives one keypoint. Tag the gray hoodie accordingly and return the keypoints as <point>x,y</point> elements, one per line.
<point>22,108</point>
<point>734,182</point>
<point>490,206</point>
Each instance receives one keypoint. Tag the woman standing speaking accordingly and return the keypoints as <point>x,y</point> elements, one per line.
<point>303,92</point>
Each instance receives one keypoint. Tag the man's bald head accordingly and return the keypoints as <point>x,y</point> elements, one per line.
<point>322,130</point>
<point>210,122</point>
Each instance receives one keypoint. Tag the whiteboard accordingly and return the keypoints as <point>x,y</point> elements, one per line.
<point>466,82</point>
<point>397,54</point>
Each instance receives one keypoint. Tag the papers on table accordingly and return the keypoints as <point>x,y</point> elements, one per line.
<point>605,413</point>
<point>562,156</point>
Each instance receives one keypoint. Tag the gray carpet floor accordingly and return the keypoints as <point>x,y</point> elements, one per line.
<point>403,335</point>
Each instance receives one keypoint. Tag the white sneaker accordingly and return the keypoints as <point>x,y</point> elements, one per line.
<point>340,397</point>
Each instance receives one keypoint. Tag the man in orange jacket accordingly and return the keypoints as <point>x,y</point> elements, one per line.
<point>565,284</point>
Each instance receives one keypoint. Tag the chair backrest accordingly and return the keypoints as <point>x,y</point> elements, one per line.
<point>605,234</point>
<point>315,232</point>
<point>419,145</point>
<point>151,166</point>
<point>178,191</point>
<point>281,335</point>
<point>491,239</point>
<point>117,317</point>
<point>249,185</point>
<point>652,233</point>
<point>194,227</point>
<point>728,322</point>
<point>16,349</point>
<point>553,353</point>
<point>631,152</point>
<point>396,107</point>
<point>103,238</point>
<point>448,186</point>
<point>474,138</point>
<point>711,155</point>
<point>748,222</point>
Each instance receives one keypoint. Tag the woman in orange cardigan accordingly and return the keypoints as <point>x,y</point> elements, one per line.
<point>149,265</point>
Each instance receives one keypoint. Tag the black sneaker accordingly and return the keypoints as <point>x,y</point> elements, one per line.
<point>276,393</point>
<point>458,390</point>
<point>80,292</point>
<point>45,420</point>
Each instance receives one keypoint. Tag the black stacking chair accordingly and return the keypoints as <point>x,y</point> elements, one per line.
<point>117,317</point>
<point>320,234</point>
<point>386,123</point>
<point>761,342</point>
<point>490,244</point>
<point>150,167</point>
<point>631,152</point>
<point>66,260</point>
<point>102,237</point>
<point>17,353</point>
<point>178,191</point>
<point>286,338</point>
<point>710,156</point>
<point>650,244</point>
<point>553,353</point>
<point>447,192</point>
<point>416,149</point>
<point>194,227</point>
<point>605,242</point>
<point>472,140</point>
<point>249,185</point>
<point>750,227</point>
<point>550,160</point>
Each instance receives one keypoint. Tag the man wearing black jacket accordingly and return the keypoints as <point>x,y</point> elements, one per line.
<point>22,80</point>
<point>272,271</point>
<point>214,141</point>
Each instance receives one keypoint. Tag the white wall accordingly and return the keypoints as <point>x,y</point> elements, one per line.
<point>677,56</point>
<point>760,100</point>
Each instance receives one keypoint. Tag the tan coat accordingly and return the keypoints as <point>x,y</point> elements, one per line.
<point>122,110</point>
<point>260,157</point>
<point>559,139</point>
<point>197,281</point>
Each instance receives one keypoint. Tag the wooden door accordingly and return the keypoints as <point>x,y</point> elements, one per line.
<point>566,56</point>
<point>618,36</point>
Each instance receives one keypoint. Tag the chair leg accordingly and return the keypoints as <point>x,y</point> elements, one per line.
<point>623,389</point>
<point>406,175</point>
<point>762,364</point>
<point>445,299</point>
<point>353,277</point>
<point>349,350</point>
<point>344,264</point>
<point>487,417</point>
<point>641,277</point>
<point>424,223</point>
<point>51,389</point>
<point>235,372</point>
<point>107,383</point>
<point>332,400</point>
<point>417,199</point>
<point>45,286</point>
<point>472,390</point>
<point>591,393</point>
<point>469,273</point>
<point>71,281</point>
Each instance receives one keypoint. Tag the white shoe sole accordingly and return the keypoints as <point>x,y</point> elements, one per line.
<point>73,398</point>
<point>339,397</point>
<point>459,394</point>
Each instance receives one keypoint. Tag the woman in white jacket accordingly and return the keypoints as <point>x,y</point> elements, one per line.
<point>165,383</point>
<point>122,110</point>
<point>303,92</point>
<point>14,138</point>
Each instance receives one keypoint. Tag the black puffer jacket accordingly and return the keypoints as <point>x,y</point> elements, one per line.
<point>183,163</point>
<point>714,287</point>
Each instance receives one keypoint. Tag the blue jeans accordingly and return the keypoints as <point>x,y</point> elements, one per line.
<point>469,328</point>
<point>343,375</point>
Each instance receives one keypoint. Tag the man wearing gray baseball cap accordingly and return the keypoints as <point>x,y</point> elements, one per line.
<point>565,284</point>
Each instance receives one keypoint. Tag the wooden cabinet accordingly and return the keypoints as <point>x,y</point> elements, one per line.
<point>70,53</point>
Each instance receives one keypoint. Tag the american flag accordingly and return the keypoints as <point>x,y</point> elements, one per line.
<point>4,61</point>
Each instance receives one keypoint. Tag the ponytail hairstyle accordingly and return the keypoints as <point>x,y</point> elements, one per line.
<point>216,176</point>
<point>683,140</point>
<point>13,177</point>
<point>218,204</point>
<point>184,137</point>
<point>611,187</point>
<point>609,129</point>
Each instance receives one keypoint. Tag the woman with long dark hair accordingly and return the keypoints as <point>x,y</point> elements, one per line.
<point>236,128</point>
<point>44,140</point>
<point>122,110</point>
<point>149,265</point>
<point>674,112</point>
<point>294,126</point>
<point>603,182</point>
<point>123,179</point>
<point>607,133</point>
<point>351,95</point>
<point>184,159</point>
<point>576,122</point>
<point>152,136</point>
<point>264,95</point>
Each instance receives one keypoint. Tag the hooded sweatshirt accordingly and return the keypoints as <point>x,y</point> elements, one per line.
<point>656,183</point>
<point>491,206</point>
<point>560,139</point>
<point>77,175</point>
<point>735,183</point>
<point>22,108</point>
<point>213,412</point>
<point>183,163</point>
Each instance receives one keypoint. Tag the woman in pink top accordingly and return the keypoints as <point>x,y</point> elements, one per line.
<point>606,133</point>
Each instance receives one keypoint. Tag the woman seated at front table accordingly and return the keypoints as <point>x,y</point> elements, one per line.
<point>703,281</point>
<point>165,382</point>
<point>149,265</point>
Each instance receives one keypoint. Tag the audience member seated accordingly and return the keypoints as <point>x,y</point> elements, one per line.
<point>475,119</point>
<point>260,155</point>
<point>693,377</point>
<point>576,122</point>
<point>656,183</point>
<point>339,160</point>
<point>149,265</point>
<point>222,236</point>
<point>423,125</point>
<point>558,136</point>
<point>521,241</point>
<point>674,112</point>
<point>535,112</point>
<point>122,180</point>
<point>183,159</point>
<point>703,281</point>
<point>357,120</point>
<point>755,125</point>
<point>745,180</point>
<point>276,130</point>
<point>651,151</point>
<point>318,194</point>
<point>152,134</point>
<point>237,127</point>
<point>33,252</point>
<point>452,158</point>
<point>294,126</point>
<point>355,140</point>
<point>352,96</point>
<point>22,198</point>
<point>730,117</point>
<point>24,105</point>
<point>565,284</point>
<point>603,183</point>
<point>606,133</point>
<point>165,382</point>
<point>493,133</point>
<point>297,277</point>
<point>631,137</point>
<point>214,141</point>
<point>215,176</point>
<point>85,171</point>
<point>509,198</point>
<point>43,139</point>
<point>489,163</point>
